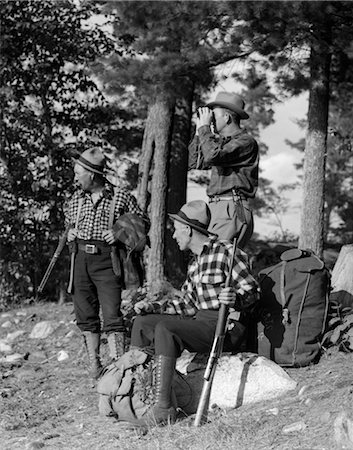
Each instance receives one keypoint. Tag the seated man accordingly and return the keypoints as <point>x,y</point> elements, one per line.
<point>189,321</point>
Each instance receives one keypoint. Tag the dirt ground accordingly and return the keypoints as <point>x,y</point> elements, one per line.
<point>46,403</point>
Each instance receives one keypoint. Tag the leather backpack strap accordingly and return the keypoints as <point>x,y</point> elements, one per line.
<point>112,209</point>
<point>285,312</point>
<point>116,263</point>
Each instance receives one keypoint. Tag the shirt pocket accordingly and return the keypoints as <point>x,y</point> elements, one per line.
<point>213,277</point>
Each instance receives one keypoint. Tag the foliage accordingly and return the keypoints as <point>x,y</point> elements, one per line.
<point>50,106</point>
<point>340,328</point>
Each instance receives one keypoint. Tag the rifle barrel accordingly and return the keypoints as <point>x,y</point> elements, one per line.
<point>55,257</point>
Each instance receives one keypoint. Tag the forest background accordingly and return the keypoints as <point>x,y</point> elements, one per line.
<point>128,77</point>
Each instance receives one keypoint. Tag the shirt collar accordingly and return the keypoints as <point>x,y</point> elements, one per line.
<point>108,191</point>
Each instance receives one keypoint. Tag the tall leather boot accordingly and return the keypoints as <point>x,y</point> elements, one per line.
<point>116,344</point>
<point>92,343</point>
<point>164,410</point>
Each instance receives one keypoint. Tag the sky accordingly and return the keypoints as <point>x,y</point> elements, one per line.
<point>278,164</point>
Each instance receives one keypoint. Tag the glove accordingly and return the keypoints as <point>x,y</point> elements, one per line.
<point>227,296</point>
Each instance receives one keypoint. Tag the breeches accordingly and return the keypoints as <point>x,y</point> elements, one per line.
<point>169,335</point>
<point>226,224</point>
<point>95,286</point>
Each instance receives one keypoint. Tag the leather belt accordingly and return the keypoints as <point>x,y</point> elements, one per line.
<point>93,249</point>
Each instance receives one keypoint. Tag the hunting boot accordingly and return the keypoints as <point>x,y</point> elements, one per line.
<point>164,410</point>
<point>92,343</point>
<point>116,344</point>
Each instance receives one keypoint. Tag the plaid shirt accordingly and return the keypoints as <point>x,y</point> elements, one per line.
<point>94,218</point>
<point>206,277</point>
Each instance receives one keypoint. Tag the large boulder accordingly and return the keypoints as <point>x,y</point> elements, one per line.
<point>239,379</point>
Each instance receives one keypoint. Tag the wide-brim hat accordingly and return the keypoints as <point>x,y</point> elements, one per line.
<point>230,100</point>
<point>196,214</point>
<point>92,160</point>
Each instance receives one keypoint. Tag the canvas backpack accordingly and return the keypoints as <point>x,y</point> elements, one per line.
<point>127,387</point>
<point>293,308</point>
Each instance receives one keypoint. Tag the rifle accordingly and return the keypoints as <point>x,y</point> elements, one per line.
<point>201,413</point>
<point>59,249</point>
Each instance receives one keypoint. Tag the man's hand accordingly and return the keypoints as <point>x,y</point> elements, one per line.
<point>143,307</point>
<point>108,236</point>
<point>204,117</point>
<point>72,234</point>
<point>227,296</point>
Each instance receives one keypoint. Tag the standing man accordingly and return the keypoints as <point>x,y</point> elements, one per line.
<point>233,157</point>
<point>96,275</point>
<point>189,320</point>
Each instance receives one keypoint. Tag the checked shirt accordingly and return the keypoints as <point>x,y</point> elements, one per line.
<point>206,277</point>
<point>94,218</point>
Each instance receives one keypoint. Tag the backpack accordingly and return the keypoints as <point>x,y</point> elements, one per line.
<point>126,387</point>
<point>293,309</point>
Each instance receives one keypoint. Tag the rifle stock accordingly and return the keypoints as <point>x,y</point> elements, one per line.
<point>55,257</point>
<point>217,347</point>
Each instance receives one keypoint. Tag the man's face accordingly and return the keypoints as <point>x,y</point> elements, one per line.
<point>220,119</point>
<point>83,177</point>
<point>181,235</point>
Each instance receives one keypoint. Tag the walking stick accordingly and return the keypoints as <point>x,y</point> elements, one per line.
<point>201,413</point>
<point>59,249</point>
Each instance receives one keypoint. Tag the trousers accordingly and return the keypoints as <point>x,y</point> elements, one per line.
<point>95,286</point>
<point>226,224</point>
<point>169,335</point>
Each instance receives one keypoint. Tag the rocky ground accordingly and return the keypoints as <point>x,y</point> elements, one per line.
<point>47,401</point>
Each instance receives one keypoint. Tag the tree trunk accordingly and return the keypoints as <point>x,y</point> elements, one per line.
<point>342,279</point>
<point>312,220</point>
<point>145,164</point>
<point>157,143</point>
<point>176,261</point>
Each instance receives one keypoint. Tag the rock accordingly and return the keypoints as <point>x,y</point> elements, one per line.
<point>239,379</point>
<point>13,336</point>
<point>12,358</point>
<point>343,427</point>
<point>21,313</point>
<point>294,427</point>
<point>42,330</point>
<point>62,355</point>
<point>5,315</point>
<point>5,347</point>
<point>273,411</point>
<point>6,324</point>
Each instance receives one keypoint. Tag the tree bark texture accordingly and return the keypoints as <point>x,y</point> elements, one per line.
<point>312,219</point>
<point>176,261</point>
<point>157,143</point>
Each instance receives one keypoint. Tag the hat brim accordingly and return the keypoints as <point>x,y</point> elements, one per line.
<point>191,225</point>
<point>241,113</point>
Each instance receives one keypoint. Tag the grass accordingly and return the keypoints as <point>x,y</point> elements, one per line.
<point>47,404</point>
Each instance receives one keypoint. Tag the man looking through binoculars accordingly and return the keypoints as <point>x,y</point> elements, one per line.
<point>220,144</point>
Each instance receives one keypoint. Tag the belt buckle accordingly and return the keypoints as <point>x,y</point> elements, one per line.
<point>90,249</point>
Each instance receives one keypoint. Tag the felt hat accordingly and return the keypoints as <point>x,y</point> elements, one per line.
<point>231,101</point>
<point>196,214</point>
<point>92,160</point>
